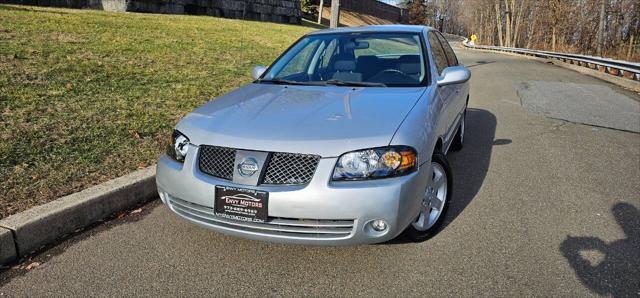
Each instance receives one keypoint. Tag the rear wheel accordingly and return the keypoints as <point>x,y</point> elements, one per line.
<point>458,140</point>
<point>435,201</point>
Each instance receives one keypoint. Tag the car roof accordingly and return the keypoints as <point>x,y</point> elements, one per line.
<point>374,28</point>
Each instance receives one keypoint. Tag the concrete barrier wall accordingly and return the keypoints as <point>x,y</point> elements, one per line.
<point>374,8</point>
<point>281,11</point>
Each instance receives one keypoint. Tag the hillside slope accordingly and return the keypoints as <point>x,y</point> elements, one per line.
<point>86,96</point>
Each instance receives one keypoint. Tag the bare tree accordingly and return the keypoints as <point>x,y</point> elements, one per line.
<point>577,26</point>
<point>498,21</point>
<point>507,16</point>
<point>516,27</point>
<point>603,7</point>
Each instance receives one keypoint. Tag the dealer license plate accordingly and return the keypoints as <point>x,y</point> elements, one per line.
<point>241,204</point>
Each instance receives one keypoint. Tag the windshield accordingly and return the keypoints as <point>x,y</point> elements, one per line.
<point>356,59</point>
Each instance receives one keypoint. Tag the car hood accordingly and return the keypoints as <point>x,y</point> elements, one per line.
<point>322,120</point>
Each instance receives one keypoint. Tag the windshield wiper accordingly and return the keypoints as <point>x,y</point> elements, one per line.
<point>321,83</point>
<point>351,83</point>
<point>288,82</point>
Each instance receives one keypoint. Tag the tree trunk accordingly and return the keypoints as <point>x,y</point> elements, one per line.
<point>499,22</point>
<point>442,12</point>
<point>516,28</point>
<point>507,16</point>
<point>320,8</point>
<point>480,34</point>
<point>553,39</point>
<point>555,9</point>
<point>533,31</point>
<point>600,37</point>
<point>631,47</point>
<point>335,14</point>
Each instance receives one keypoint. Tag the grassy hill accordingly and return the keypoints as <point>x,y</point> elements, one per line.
<point>86,96</point>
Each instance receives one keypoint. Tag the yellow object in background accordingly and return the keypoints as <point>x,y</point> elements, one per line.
<point>473,38</point>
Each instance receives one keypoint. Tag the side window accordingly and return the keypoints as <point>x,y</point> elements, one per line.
<point>451,56</point>
<point>438,53</point>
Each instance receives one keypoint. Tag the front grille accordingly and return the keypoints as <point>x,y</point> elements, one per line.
<point>217,161</point>
<point>290,168</point>
<point>274,226</point>
<point>282,168</point>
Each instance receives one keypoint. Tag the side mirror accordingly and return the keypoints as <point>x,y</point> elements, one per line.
<point>454,75</point>
<point>257,71</point>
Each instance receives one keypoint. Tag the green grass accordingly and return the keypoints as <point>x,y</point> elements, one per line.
<point>86,96</point>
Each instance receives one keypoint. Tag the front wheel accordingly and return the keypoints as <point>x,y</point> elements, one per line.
<point>435,201</point>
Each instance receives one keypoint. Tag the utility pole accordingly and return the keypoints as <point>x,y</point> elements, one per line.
<point>600,36</point>
<point>320,8</point>
<point>335,14</point>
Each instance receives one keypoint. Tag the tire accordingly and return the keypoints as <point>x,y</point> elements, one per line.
<point>419,231</point>
<point>458,140</point>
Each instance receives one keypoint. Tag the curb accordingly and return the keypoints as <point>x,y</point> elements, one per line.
<point>622,82</point>
<point>7,246</point>
<point>28,231</point>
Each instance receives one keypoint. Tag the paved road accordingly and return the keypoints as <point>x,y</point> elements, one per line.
<point>542,207</point>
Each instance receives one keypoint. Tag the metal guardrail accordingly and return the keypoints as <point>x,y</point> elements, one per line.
<point>619,68</point>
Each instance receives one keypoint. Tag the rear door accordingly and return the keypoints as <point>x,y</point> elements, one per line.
<point>445,93</point>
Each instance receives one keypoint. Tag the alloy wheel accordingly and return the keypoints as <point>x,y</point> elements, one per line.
<point>434,199</point>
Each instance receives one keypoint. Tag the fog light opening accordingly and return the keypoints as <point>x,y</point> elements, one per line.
<point>379,225</point>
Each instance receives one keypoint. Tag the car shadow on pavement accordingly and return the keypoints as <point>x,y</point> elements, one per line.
<point>470,165</point>
<point>618,272</point>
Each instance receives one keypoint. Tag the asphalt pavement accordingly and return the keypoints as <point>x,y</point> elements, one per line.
<point>545,203</point>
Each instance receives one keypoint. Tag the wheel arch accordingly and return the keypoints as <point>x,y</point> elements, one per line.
<point>439,147</point>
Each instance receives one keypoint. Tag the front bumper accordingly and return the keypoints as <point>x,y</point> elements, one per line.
<point>321,212</point>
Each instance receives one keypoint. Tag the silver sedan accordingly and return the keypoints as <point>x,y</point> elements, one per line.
<point>342,140</point>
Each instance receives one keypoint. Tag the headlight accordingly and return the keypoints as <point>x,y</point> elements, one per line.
<point>178,146</point>
<point>375,163</point>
